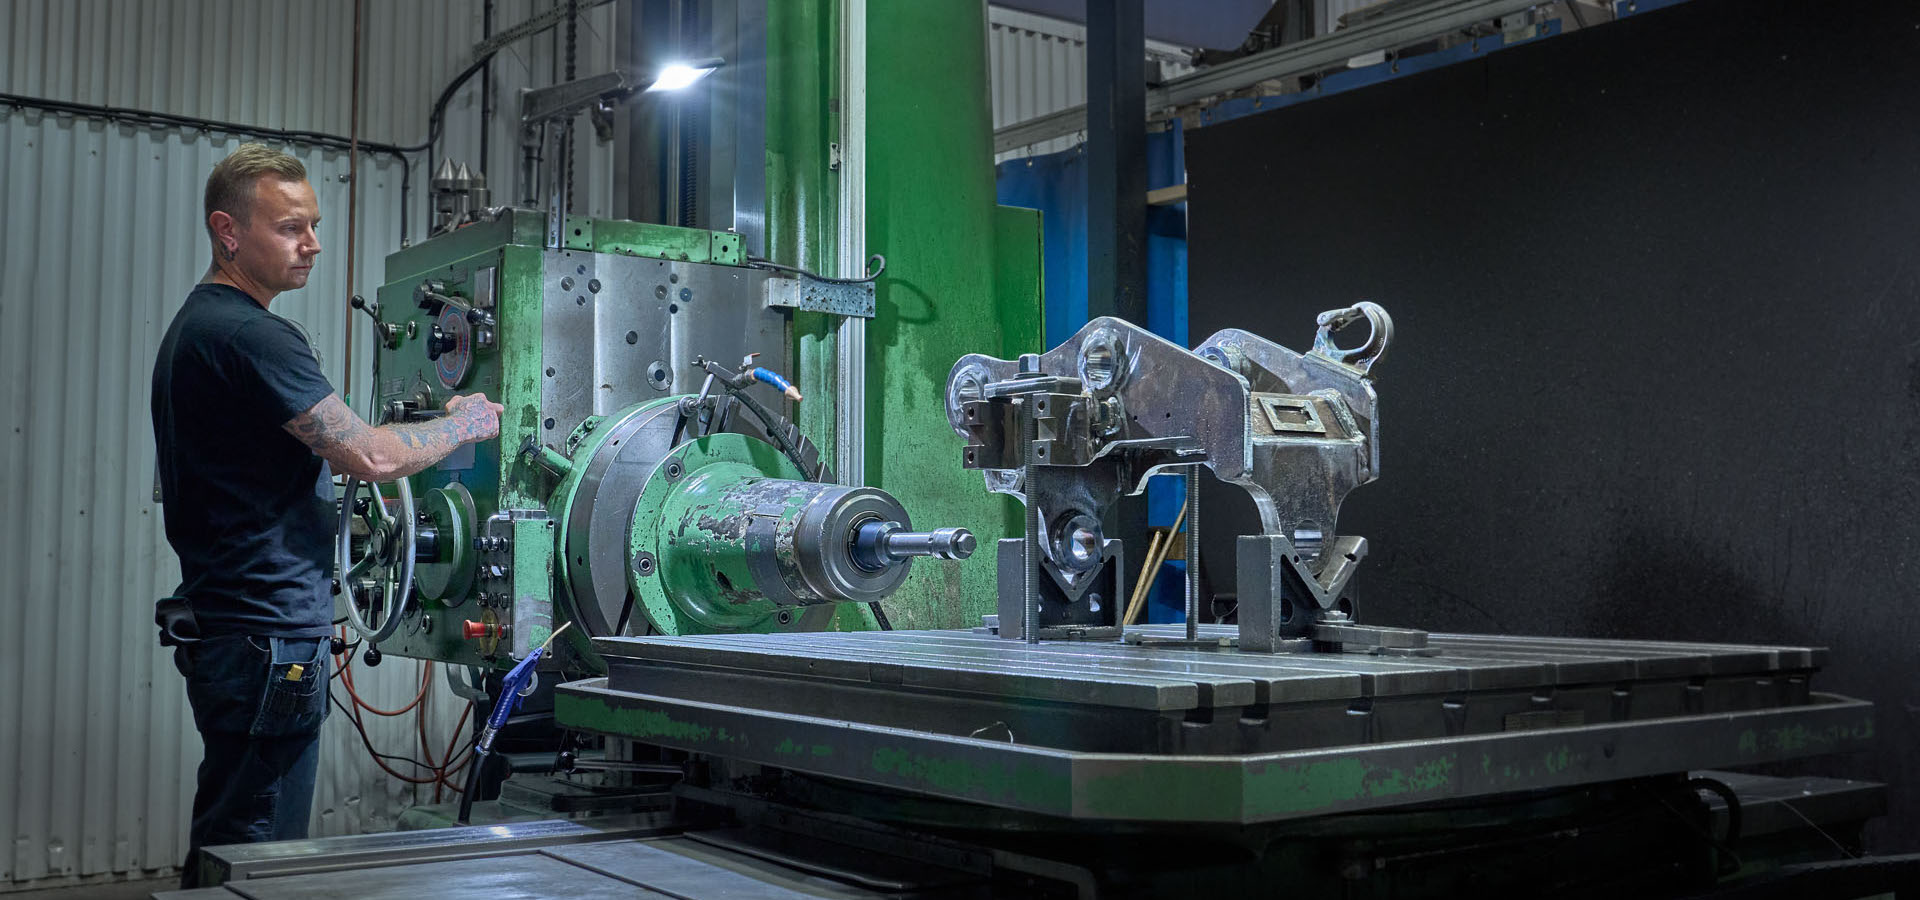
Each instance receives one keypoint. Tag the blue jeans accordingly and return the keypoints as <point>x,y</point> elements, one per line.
<point>258,704</point>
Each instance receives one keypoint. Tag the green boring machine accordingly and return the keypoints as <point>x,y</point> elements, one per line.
<point>648,478</point>
<point>763,733</point>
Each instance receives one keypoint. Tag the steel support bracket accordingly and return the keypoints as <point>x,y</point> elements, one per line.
<point>576,233</point>
<point>813,295</point>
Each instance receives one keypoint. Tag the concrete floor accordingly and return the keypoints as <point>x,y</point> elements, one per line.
<point>119,890</point>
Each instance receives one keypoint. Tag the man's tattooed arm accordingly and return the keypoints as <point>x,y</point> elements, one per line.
<point>336,434</point>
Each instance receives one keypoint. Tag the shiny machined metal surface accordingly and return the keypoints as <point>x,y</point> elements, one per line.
<point>620,330</point>
<point>679,867</point>
<point>1072,430</point>
<point>596,557</point>
<point>821,566</point>
<point>1082,729</point>
<point>243,862</point>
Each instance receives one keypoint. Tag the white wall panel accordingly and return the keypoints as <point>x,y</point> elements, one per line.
<point>1038,65</point>
<point>100,243</point>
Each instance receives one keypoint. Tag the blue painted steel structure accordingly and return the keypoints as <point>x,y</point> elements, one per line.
<point>1056,185</point>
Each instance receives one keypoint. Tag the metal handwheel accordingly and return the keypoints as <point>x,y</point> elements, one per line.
<point>382,576</point>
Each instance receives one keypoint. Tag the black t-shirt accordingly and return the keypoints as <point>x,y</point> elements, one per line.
<point>249,508</point>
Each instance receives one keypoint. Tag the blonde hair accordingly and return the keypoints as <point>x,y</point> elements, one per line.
<point>230,186</point>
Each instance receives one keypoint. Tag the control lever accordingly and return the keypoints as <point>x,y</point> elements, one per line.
<point>438,342</point>
<point>430,298</point>
<point>409,411</point>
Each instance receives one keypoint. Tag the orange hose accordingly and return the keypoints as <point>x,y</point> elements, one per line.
<point>343,664</point>
<point>426,680</point>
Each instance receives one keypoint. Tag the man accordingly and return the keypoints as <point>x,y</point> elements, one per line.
<point>249,432</point>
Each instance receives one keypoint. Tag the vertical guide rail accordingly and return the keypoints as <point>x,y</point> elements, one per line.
<point>1036,525</point>
<point>850,357</point>
<point>1193,552</point>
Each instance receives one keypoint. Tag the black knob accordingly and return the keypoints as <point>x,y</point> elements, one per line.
<point>371,657</point>
<point>337,645</point>
<point>336,591</point>
<point>439,342</point>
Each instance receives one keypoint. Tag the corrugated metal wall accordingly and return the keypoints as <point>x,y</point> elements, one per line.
<point>1038,65</point>
<point>99,245</point>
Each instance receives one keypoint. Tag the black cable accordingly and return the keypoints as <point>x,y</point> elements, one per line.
<point>778,434</point>
<point>361,729</point>
<point>566,737</point>
<point>142,116</point>
<point>727,381</point>
<point>486,88</point>
<point>437,119</point>
<point>1731,862</point>
<point>626,612</point>
<point>147,117</point>
<point>471,787</point>
<point>1727,796</point>
<point>873,274</point>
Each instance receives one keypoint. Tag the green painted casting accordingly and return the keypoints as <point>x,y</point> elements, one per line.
<point>528,228</point>
<point>457,261</point>
<point>802,207</point>
<point>449,575</point>
<point>963,276</point>
<point>511,374</point>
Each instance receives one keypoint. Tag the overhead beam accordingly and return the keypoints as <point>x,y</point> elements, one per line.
<point>1303,58</point>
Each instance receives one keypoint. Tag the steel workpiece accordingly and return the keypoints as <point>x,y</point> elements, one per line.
<point>1072,430</point>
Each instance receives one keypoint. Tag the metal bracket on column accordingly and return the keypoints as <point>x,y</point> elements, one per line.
<point>813,295</point>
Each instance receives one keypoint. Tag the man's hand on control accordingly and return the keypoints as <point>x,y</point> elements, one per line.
<point>474,417</point>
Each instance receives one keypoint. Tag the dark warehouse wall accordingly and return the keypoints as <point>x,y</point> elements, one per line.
<point>1656,288</point>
